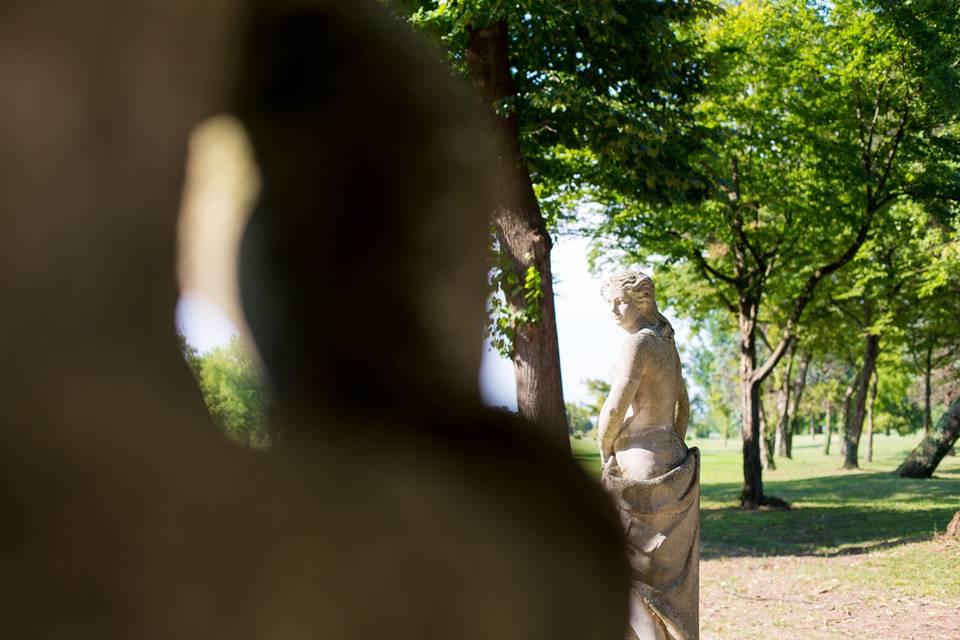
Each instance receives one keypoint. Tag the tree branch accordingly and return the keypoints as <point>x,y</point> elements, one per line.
<point>729,305</point>
<point>864,150</point>
<point>763,338</point>
<point>806,295</point>
<point>707,269</point>
<point>836,305</point>
<point>898,136</point>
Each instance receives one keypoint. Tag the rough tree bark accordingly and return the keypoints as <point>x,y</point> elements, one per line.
<point>522,235</point>
<point>766,441</point>
<point>855,427</point>
<point>870,403</point>
<point>923,461</point>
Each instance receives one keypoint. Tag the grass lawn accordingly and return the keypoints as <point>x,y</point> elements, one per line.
<point>837,513</point>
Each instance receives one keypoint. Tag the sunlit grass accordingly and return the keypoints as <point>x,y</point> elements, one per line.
<point>835,512</point>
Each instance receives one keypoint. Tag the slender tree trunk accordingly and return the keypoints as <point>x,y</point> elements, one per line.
<point>766,442</point>
<point>828,427</point>
<point>923,461</point>
<point>926,392</point>
<point>750,283</point>
<point>870,403</point>
<point>799,387</point>
<point>523,238</point>
<point>847,397</point>
<point>852,436</point>
<point>812,427</point>
<point>751,494</point>
<point>783,406</point>
<point>789,434</point>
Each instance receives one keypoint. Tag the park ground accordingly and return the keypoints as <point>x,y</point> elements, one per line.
<point>861,555</point>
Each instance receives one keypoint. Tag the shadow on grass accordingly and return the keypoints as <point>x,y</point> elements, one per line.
<point>834,515</point>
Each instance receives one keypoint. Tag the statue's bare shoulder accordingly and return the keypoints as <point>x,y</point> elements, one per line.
<point>647,340</point>
<point>645,336</point>
<point>639,349</point>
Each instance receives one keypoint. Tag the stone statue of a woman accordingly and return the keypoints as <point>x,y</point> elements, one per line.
<point>648,469</point>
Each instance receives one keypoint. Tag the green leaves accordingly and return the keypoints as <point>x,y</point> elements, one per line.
<point>507,321</point>
<point>818,118</point>
<point>603,90</point>
<point>234,389</point>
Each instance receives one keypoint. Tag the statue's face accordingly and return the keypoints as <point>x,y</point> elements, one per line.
<point>626,310</point>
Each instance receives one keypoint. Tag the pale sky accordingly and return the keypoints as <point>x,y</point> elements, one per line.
<point>589,339</point>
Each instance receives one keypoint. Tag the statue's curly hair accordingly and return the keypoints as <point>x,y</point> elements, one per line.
<point>631,284</point>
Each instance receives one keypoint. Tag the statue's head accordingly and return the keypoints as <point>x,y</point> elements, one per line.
<point>631,285</point>
<point>632,299</point>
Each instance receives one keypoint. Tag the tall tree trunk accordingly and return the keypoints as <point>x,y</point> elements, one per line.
<point>870,403</point>
<point>812,426</point>
<point>828,427</point>
<point>749,282</point>
<point>783,406</point>
<point>923,461</point>
<point>751,494</point>
<point>858,413</point>
<point>926,392</point>
<point>522,234</point>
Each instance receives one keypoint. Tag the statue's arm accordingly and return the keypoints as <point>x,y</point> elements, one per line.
<point>610,423</point>
<point>682,415</point>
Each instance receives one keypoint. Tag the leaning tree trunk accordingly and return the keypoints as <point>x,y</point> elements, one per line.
<point>923,461</point>
<point>858,414</point>
<point>953,527</point>
<point>870,403</point>
<point>523,238</point>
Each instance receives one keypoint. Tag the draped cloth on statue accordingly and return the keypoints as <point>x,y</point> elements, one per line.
<point>655,481</point>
